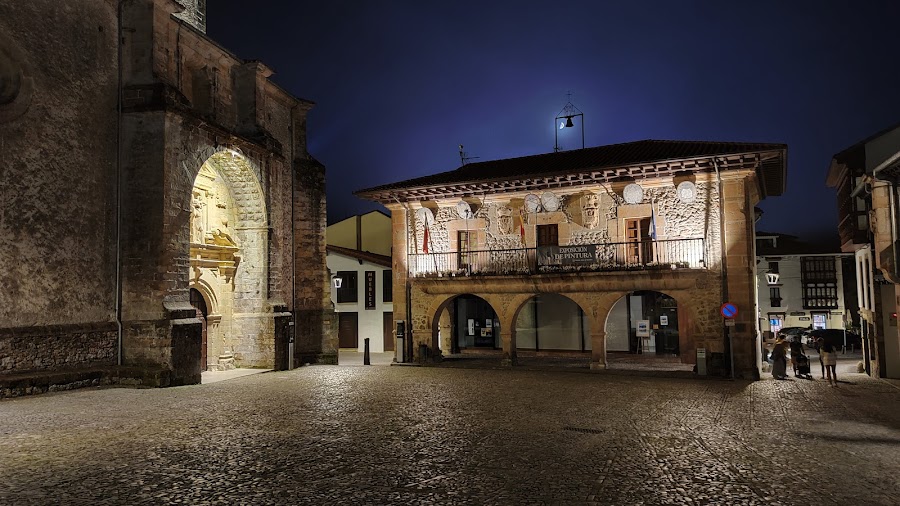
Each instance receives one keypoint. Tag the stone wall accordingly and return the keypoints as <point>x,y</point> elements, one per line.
<point>46,348</point>
<point>58,132</point>
<point>185,100</point>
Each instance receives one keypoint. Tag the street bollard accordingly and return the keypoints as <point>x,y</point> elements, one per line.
<point>366,360</point>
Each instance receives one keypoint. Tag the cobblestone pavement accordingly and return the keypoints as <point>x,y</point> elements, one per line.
<point>410,435</point>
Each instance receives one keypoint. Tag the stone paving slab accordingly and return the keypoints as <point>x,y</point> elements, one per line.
<point>412,435</point>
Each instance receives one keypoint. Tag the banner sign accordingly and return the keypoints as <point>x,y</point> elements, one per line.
<point>370,289</point>
<point>583,254</point>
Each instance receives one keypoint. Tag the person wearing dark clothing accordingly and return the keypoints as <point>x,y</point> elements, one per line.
<point>796,351</point>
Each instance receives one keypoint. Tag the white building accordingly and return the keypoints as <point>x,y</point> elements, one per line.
<point>799,288</point>
<point>362,284</point>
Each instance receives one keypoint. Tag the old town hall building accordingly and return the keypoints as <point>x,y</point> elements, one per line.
<point>598,251</point>
<point>159,212</point>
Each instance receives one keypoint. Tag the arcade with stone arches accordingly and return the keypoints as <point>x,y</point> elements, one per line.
<point>228,263</point>
<point>605,326</point>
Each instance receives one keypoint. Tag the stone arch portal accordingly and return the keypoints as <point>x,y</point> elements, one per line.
<point>228,261</point>
<point>552,322</point>
<point>651,323</point>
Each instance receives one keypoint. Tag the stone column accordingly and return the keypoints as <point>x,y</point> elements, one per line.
<point>741,265</point>
<point>598,350</point>
<point>508,343</point>
<point>399,270</point>
<point>446,330</point>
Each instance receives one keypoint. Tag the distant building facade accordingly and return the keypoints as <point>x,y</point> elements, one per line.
<point>359,264</point>
<point>866,177</point>
<point>595,251</point>
<point>162,216</point>
<point>798,287</point>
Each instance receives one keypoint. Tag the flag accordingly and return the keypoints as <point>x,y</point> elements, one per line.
<point>522,226</point>
<point>652,222</point>
<point>425,239</point>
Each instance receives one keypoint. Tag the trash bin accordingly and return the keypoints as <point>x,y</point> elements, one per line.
<point>398,350</point>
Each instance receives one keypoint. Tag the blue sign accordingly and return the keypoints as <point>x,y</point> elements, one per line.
<point>728,310</point>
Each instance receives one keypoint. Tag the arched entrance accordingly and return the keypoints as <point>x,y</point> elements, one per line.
<point>200,305</point>
<point>643,329</point>
<point>466,323</point>
<point>228,261</point>
<point>552,322</point>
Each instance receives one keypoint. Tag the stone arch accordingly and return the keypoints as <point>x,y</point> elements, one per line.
<point>228,243</point>
<point>16,81</point>
<point>686,315</point>
<point>209,295</point>
<point>523,302</point>
<point>440,304</point>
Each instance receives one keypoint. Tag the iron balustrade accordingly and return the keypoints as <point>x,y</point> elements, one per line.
<point>619,256</point>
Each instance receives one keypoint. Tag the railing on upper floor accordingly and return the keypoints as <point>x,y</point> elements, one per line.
<point>619,256</point>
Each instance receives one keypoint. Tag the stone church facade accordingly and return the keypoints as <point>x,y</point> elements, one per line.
<point>665,223</point>
<point>159,213</point>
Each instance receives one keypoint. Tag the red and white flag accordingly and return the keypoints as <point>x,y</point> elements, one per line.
<point>425,239</point>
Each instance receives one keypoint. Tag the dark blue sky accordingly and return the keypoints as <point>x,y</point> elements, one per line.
<point>399,84</point>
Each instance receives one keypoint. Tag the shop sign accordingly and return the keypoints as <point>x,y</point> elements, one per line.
<point>370,289</point>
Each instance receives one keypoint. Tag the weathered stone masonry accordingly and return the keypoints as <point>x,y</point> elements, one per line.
<point>70,157</point>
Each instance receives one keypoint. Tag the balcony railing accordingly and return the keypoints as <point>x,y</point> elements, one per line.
<point>620,256</point>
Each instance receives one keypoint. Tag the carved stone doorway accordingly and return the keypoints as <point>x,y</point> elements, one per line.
<point>229,262</point>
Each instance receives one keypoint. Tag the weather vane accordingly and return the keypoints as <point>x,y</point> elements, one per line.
<point>564,120</point>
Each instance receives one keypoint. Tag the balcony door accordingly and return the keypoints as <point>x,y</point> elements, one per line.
<point>465,244</point>
<point>547,235</point>
<point>638,248</point>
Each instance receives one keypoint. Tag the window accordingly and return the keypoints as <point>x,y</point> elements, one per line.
<point>775,296</point>
<point>818,275</point>
<point>465,245</point>
<point>773,267</point>
<point>547,235</point>
<point>387,286</point>
<point>348,290</point>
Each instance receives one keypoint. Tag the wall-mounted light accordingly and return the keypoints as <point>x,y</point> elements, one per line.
<point>772,278</point>
<point>336,281</point>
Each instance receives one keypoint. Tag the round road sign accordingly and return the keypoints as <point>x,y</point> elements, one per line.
<point>728,310</point>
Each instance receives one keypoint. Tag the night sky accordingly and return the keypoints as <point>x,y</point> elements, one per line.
<point>400,84</point>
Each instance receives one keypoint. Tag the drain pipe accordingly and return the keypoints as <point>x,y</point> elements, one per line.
<point>724,266</point>
<point>119,108</point>
<point>293,322</point>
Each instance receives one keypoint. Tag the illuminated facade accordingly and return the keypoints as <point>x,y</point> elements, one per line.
<point>164,199</point>
<point>359,260</point>
<point>800,287</point>
<point>596,251</point>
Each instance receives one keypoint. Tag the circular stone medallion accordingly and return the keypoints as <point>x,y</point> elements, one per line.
<point>633,193</point>
<point>687,192</point>
<point>550,201</point>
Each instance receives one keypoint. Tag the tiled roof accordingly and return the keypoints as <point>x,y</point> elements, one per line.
<point>367,256</point>
<point>579,161</point>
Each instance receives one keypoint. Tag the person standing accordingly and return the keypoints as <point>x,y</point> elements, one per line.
<point>779,359</point>
<point>796,352</point>
<point>828,356</point>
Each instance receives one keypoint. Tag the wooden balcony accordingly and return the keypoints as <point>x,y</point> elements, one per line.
<point>609,257</point>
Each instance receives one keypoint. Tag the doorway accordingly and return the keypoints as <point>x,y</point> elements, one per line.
<point>638,247</point>
<point>199,304</point>
<point>388,329</point>
<point>348,330</point>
